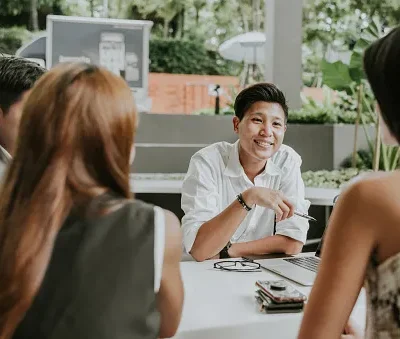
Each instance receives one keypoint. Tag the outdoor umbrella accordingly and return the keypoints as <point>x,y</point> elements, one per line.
<point>248,47</point>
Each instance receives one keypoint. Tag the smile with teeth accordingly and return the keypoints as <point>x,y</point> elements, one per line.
<point>264,143</point>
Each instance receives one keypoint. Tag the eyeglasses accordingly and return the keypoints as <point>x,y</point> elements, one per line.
<point>238,266</point>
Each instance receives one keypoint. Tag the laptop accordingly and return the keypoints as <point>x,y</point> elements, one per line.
<point>301,270</point>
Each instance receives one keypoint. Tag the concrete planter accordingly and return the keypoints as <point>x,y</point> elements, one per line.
<point>165,143</point>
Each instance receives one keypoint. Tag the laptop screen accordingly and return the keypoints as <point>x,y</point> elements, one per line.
<point>319,248</point>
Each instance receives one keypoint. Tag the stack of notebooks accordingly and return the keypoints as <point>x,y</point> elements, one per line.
<point>272,300</point>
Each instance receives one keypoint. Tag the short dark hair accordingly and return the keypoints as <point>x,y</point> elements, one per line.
<point>17,75</point>
<point>259,92</point>
<point>382,66</point>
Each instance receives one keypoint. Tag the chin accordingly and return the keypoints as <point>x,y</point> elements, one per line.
<point>263,155</point>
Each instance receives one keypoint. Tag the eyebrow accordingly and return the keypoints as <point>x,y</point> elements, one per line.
<point>263,114</point>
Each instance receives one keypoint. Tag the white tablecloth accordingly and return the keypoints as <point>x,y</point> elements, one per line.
<point>220,304</point>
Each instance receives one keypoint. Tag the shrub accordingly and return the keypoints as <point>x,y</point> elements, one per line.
<point>13,38</point>
<point>187,57</point>
<point>364,160</point>
<point>329,179</point>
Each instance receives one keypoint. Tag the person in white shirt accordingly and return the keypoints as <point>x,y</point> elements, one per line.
<point>239,198</point>
<point>17,76</point>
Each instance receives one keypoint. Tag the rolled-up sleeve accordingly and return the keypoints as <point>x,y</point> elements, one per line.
<point>292,186</point>
<point>200,200</point>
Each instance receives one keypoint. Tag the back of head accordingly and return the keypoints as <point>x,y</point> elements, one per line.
<point>259,92</point>
<point>82,117</point>
<point>17,75</point>
<point>76,136</point>
<point>382,66</point>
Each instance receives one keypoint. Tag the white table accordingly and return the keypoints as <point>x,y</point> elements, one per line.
<point>220,304</point>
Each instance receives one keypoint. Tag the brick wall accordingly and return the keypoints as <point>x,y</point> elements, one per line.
<point>186,93</point>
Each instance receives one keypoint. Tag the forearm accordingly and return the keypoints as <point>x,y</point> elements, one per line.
<point>170,305</point>
<point>214,234</point>
<point>271,244</point>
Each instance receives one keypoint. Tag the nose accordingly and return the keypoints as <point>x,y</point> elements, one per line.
<point>266,130</point>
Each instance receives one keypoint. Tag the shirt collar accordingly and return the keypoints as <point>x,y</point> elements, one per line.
<point>235,169</point>
<point>4,155</point>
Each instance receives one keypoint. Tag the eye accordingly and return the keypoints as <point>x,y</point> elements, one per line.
<point>258,120</point>
<point>277,123</point>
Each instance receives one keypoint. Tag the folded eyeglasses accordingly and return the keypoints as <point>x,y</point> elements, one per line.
<point>238,266</point>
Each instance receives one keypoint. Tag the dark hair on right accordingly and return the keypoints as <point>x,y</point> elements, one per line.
<point>259,92</point>
<point>382,66</point>
<point>17,75</point>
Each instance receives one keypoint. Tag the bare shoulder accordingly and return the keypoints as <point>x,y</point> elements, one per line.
<point>173,235</point>
<point>378,191</point>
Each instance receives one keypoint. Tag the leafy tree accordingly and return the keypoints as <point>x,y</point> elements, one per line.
<point>28,13</point>
<point>335,25</point>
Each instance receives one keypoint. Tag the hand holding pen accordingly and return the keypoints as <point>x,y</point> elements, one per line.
<point>272,199</point>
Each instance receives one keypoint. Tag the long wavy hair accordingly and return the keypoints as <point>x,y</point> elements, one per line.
<point>75,141</point>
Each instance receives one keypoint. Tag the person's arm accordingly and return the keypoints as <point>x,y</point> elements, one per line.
<point>292,187</point>
<point>170,295</point>
<point>271,244</point>
<point>214,234</point>
<point>350,240</point>
<point>206,230</point>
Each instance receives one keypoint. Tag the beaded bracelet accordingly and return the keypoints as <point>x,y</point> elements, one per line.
<point>239,198</point>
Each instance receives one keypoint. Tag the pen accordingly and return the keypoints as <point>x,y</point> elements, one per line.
<point>305,216</point>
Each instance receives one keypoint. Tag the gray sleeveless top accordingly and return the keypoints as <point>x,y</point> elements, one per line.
<point>100,281</point>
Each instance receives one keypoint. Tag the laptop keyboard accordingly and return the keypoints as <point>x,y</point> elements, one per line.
<point>309,263</point>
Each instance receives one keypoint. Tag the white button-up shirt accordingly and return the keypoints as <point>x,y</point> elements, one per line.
<point>215,177</point>
<point>5,159</point>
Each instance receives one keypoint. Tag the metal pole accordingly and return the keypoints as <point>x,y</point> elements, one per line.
<point>359,108</point>
<point>105,8</point>
<point>377,143</point>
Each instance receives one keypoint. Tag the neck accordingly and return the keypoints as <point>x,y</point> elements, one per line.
<point>252,167</point>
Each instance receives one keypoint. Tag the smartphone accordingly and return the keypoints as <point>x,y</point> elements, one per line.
<point>280,291</point>
<point>270,304</point>
<point>265,308</point>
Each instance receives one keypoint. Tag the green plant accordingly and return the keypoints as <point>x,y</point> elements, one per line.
<point>349,78</point>
<point>338,75</point>
<point>329,111</point>
<point>364,159</point>
<point>304,116</point>
<point>187,57</point>
<point>329,179</point>
<point>13,38</point>
<point>390,157</point>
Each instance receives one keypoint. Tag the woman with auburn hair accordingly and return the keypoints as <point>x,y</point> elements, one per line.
<point>79,258</point>
<point>363,239</point>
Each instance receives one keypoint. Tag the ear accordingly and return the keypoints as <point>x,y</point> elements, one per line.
<point>285,128</point>
<point>236,122</point>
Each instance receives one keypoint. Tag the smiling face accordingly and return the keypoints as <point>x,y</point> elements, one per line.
<point>261,132</point>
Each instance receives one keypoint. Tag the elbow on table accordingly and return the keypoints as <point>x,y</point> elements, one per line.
<point>198,255</point>
<point>293,247</point>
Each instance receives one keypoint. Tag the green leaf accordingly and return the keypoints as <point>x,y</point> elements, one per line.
<point>336,75</point>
